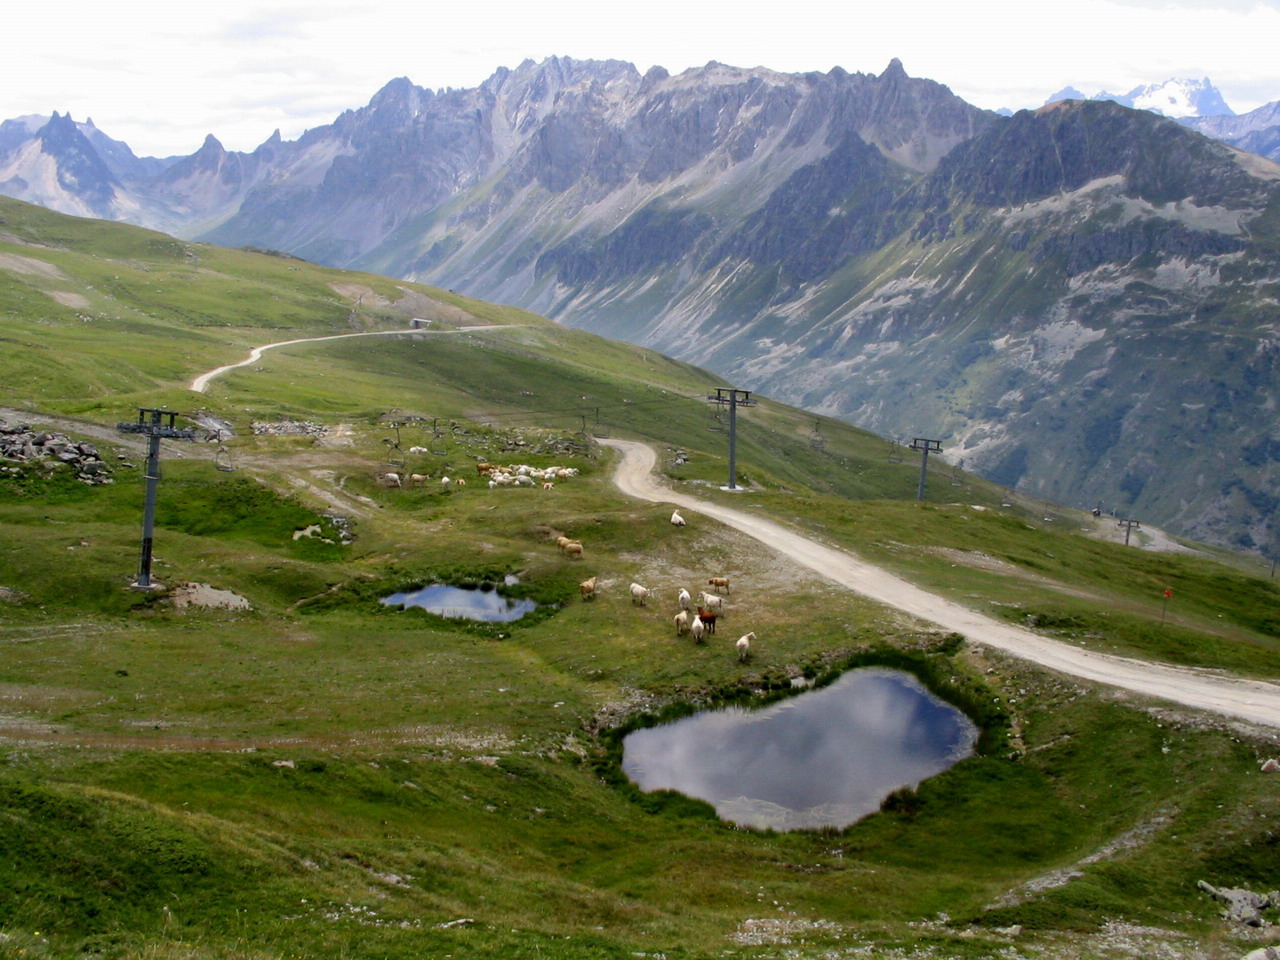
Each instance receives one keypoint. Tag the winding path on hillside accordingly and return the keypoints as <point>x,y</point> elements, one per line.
<point>199,384</point>
<point>1250,700</point>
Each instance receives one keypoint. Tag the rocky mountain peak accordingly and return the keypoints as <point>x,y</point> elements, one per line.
<point>894,71</point>
<point>399,101</point>
<point>1066,93</point>
<point>1180,98</point>
<point>1065,145</point>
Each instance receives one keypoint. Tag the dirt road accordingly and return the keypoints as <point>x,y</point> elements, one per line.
<point>1250,700</point>
<point>201,382</point>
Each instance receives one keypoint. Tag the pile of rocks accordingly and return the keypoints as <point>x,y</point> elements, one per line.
<point>21,444</point>
<point>1240,905</point>
<point>289,428</point>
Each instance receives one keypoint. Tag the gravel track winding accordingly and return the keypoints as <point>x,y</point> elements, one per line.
<point>200,383</point>
<point>1250,700</point>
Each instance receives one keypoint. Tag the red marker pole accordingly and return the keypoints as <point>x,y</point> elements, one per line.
<point>1168,592</point>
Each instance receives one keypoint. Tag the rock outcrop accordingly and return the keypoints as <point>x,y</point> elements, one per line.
<point>22,446</point>
<point>1242,906</point>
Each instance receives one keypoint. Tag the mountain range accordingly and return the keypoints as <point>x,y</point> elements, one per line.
<point>1079,301</point>
<point>1172,98</point>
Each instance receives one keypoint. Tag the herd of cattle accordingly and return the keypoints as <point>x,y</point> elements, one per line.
<point>697,620</point>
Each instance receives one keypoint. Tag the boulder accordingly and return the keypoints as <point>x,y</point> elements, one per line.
<point>1242,906</point>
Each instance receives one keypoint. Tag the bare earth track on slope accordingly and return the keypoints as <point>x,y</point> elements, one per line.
<point>1250,700</point>
<point>200,383</point>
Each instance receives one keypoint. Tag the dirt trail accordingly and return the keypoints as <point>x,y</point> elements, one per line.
<point>199,384</point>
<point>1250,700</point>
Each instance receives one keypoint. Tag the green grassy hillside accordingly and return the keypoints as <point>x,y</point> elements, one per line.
<point>320,775</point>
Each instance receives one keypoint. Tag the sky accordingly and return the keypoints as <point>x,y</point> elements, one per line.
<point>162,75</point>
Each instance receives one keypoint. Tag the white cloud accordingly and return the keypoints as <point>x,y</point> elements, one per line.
<point>162,75</point>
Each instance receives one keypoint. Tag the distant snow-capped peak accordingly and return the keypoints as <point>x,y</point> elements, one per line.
<point>1181,98</point>
<point>1173,98</point>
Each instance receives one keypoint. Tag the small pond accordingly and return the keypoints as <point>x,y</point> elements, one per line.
<point>825,758</point>
<point>469,603</point>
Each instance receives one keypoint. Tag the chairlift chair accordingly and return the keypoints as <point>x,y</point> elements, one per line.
<point>222,457</point>
<point>395,455</point>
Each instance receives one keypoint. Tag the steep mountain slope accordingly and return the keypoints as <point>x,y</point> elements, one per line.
<point>75,168</point>
<point>1088,322</point>
<point>1022,303</point>
<point>58,167</point>
<point>1025,303</point>
<point>1257,131</point>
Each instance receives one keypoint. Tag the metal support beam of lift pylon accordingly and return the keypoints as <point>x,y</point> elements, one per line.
<point>925,447</point>
<point>733,399</point>
<point>155,425</point>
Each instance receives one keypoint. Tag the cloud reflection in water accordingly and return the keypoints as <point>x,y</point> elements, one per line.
<point>823,758</point>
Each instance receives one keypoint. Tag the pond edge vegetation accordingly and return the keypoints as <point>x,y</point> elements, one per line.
<point>550,594</point>
<point>935,666</point>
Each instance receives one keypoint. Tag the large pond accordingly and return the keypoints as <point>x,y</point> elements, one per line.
<point>470,603</point>
<point>825,758</point>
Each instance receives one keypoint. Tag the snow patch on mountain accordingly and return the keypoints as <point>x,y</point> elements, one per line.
<point>1178,273</point>
<point>1109,191</point>
<point>1059,341</point>
<point>1179,97</point>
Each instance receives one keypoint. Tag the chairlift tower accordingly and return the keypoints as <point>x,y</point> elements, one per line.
<point>1128,528</point>
<point>155,425</point>
<point>734,399</point>
<point>925,447</point>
